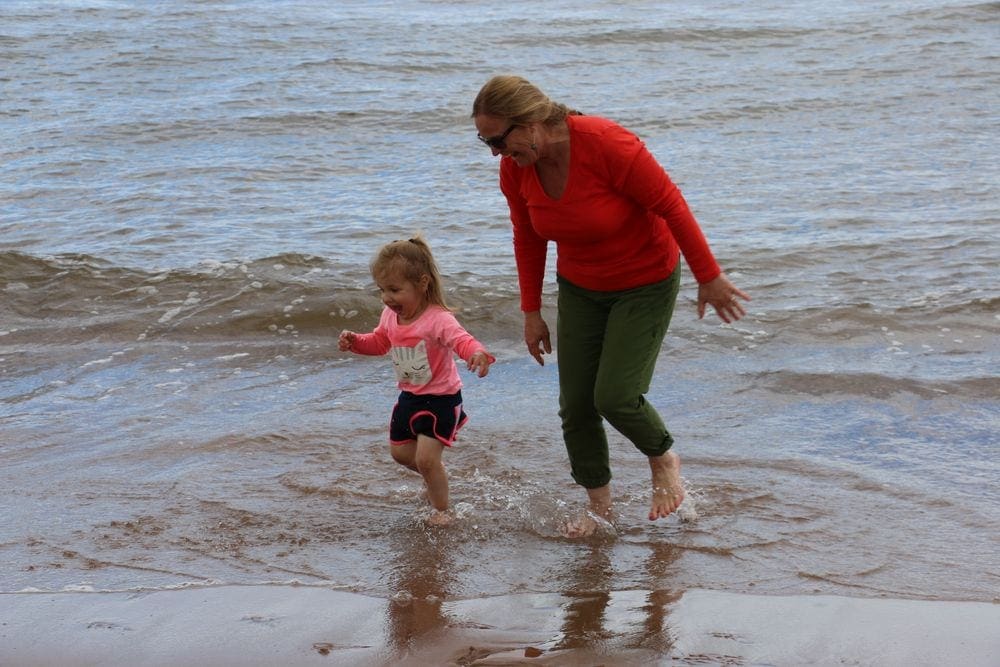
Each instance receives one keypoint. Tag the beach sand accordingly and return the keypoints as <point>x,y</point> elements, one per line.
<point>301,625</point>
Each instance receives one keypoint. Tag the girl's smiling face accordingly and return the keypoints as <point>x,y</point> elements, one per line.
<point>406,298</point>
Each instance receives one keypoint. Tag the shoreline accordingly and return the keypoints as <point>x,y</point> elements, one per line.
<point>287,624</point>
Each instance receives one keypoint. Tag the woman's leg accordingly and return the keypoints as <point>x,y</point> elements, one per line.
<point>580,340</point>
<point>668,488</point>
<point>636,326</point>
<point>607,348</point>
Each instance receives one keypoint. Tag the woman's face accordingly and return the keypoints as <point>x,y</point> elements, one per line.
<point>503,138</point>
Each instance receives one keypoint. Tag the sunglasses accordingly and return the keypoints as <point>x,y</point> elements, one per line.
<point>498,142</point>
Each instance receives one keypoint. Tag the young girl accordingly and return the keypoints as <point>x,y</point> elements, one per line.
<point>422,336</point>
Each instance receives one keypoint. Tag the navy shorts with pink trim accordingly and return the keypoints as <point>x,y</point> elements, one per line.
<point>432,415</point>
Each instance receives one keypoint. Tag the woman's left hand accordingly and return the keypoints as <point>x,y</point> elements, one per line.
<point>721,294</point>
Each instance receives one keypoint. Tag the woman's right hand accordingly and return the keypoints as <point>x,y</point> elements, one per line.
<point>721,294</point>
<point>536,336</point>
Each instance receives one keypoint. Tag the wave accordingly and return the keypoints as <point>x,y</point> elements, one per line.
<point>583,33</point>
<point>874,385</point>
<point>209,125</point>
<point>74,297</point>
<point>69,298</point>
<point>933,17</point>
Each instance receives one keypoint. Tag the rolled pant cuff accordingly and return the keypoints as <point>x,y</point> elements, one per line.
<point>664,447</point>
<point>591,483</point>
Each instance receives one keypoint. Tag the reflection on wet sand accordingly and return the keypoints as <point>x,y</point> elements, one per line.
<point>655,632</point>
<point>420,581</point>
<point>586,619</point>
<point>596,619</point>
<point>587,597</point>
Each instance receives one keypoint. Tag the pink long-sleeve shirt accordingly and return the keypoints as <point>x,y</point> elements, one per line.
<point>423,351</point>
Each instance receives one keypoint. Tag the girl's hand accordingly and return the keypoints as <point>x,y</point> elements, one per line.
<point>480,363</point>
<point>346,341</point>
<point>721,294</point>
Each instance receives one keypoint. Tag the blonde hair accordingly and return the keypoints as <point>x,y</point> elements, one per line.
<point>519,101</point>
<point>413,260</point>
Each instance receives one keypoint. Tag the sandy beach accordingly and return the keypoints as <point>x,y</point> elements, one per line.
<point>272,625</point>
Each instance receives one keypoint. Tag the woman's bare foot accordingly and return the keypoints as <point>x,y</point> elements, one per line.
<point>583,526</point>
<point>668,489</point>
<point>600,509</point>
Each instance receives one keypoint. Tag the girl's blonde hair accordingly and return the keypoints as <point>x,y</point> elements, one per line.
<point>413,260</point>
<point>519,101</point>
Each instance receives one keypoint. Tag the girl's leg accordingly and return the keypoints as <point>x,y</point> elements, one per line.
<point>429,465</point>
<point>405,454</point>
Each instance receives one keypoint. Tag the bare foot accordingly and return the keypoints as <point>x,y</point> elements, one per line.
<point>668,490</point>
<point>584,526</point>
<point>587,525</point>
<point>440,518</point>
<point>598,513</point>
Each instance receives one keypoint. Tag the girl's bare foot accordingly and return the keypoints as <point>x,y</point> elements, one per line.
<point>440,518</point>
<point>668,489</point>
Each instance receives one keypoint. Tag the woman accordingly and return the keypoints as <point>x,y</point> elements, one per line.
<point>619,225</point>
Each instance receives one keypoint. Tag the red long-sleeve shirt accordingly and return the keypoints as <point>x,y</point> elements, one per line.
<point>621,222</point>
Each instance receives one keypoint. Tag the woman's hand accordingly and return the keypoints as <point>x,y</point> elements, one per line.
<point>536,336</point>
<point>721,294</point>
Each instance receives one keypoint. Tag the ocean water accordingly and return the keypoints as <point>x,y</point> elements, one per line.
<point>190,193</point>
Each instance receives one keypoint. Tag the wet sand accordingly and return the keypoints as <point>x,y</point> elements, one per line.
<point>268,625</point>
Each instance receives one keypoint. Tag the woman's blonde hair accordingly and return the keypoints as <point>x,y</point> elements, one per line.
<point>413,260</point>
<point>519,101</point>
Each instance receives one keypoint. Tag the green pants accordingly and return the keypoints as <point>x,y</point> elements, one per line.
<point>607,347</point>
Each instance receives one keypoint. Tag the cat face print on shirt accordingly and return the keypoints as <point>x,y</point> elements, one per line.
<point>411,364</point>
